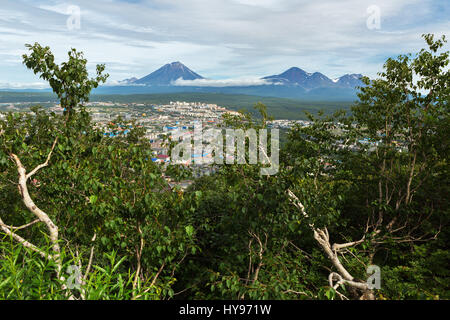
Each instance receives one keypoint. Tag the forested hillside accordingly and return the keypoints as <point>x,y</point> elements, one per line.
<point>278,107</point>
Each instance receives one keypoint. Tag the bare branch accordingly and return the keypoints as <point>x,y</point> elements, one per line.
<point>138,257</point>
<point>29,203</point>
<point>297,292</point>
<point>23,226</point>
<point>24,242</point>
<point>39,167</point>
<point>261,251</point>
<point>338,246</point>
<point>152,284</point>
<point>91,256</point>
<point>323,238</point>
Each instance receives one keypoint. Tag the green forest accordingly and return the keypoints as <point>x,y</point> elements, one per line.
<point>86,216</point>
<point>279,108</point>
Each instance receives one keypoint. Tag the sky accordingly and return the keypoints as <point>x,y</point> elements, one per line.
<point>225,40</point>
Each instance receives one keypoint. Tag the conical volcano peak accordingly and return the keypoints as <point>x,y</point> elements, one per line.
<point>176,64</point>
<point>293,75</point>
<point>168,74</point>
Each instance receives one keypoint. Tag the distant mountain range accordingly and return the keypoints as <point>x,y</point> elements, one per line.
<point>298,77</point>
<point>294,83</point>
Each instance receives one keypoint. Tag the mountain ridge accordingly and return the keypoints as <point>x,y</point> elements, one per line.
<point>168,74</point>
<point>294,83</point>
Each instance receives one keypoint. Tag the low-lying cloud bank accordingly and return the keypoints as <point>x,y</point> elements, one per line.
<point>247,82</point>
<point>18,85</point>
<point>121,83</point>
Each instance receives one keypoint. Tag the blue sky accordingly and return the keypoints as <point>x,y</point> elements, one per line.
<point>219,39</point>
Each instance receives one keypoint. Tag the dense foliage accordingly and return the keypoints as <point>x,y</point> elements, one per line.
<point>376,182</point>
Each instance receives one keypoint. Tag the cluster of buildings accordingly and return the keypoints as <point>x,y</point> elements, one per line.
<point>286,124</point>
<point>162,123</point>
<point>177,118</point>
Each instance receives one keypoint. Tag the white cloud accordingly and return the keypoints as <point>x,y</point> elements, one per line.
<point>24,85</point>
<point>268,4</point>
<point>222,82</point>
<point>113,83</point>
<point>62,8</point>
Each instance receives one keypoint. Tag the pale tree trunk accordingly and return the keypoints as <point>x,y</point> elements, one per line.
<point>33,208</point>
<point>323,239</point>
